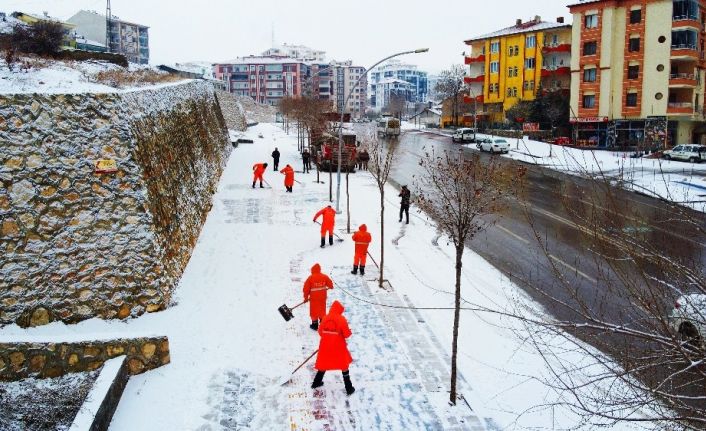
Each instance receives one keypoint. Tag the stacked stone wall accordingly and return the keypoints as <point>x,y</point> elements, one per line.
<point>75,243</point>
<point>46,360</point>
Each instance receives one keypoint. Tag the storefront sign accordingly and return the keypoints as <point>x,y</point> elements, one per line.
<point>588,120</point>
<point>106,166</point>
<point>530,127</point>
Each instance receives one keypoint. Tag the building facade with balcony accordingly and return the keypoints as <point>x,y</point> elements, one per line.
<point>512,64</point>
<point>129,39</point>
<point>395,77</point>
<point>637,73</point>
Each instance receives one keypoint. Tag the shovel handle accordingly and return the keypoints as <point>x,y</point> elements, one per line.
<point>305,361</point>
<point>301,303</point>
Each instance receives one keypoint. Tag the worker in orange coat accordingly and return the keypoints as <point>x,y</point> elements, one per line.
<point>288,172</point>
<point>258,169</point>
<point>362,240</point>
<point>333,352</point>
<point>315,288</point>
<point>328,220</point>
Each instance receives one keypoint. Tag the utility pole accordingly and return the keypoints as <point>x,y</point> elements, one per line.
<point>108,14</point>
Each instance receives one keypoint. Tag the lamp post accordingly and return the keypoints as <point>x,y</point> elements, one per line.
<point>343,110</point>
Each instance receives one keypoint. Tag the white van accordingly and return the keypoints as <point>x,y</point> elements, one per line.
<point>464,134</point>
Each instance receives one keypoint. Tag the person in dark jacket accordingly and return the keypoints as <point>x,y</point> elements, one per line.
<point>364,158</point>
<point>306,159</point>
<point>275,158</point>
<point>404,203</point>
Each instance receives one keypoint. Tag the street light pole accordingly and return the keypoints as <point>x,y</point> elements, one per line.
<point>343,109</point>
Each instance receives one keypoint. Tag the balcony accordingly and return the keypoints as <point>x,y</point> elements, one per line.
<point>683,80</point>
<point>680,108</point>
<point>469,99</point>
<point>478,59</point>
<point>685,51</point>
<point>559,47</point>
<point>469,80</point>
<point>555,71</point>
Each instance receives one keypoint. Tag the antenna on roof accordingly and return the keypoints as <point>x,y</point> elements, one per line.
<point>273,34</point>
<point>108,14</point>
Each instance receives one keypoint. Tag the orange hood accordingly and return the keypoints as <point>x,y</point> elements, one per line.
<point>363,228</point>
<point>336,308</point>
<point>316,269</point>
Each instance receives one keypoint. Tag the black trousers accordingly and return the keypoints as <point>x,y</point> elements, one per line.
<point>307,166</point>
<point>404,209</point>
<point>276,164</point>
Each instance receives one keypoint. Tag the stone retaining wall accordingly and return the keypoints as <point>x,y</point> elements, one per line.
<point>74,243</point>
<point>47,360</point>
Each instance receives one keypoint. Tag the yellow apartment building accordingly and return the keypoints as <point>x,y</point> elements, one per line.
<point>512,64</point>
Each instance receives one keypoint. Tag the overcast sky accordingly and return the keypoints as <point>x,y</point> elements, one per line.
<point>360,30</point>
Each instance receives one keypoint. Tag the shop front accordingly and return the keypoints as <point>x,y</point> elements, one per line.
<point>590,131</point>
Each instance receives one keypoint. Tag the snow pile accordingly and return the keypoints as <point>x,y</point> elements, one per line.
<point>36,75</point>
<point>7,24</point>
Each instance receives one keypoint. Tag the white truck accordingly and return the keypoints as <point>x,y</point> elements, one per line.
<point>388,126</point>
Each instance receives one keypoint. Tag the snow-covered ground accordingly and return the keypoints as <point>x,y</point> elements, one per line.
<point>35,75</point>
<point>679,182</point>
<point>230,347</point>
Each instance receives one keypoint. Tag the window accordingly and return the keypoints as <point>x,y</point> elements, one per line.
<point>494,67</point>
<point>514,91</point>
<point>635,16</point>
<point>529,63</point>
<point>517,50</point>
<point>633,71</point>
<point>555,39</point>
<point>685,9</point>
<point>634,44</point>
<point>631,99</point>
<point>589,75</point>
<point>494,47</point>
<point>509,92</point>
<point>684,39</point>
<point>589,101</point>
<point>531,41</point>
<point>591,21</point>
<point>528,85</point>
<point>510,50</point>
<point>509,72</point>
<point>590,48</point>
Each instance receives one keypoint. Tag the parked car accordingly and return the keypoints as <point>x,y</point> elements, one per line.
<point>495,145</point>
<point>480,141</point>
<point>464,134</point>
<point>691,153</point>
<point>688,317</point>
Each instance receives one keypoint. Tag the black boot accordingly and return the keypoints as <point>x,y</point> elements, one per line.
<point>253,184</point>
<point>347,381</point>
<point>330,240</point>
<point>355,269</point>
<point>318,380</point>
<point>314,325</point>
<point>362,269</point>
<point>261,186</point>
<point>323,242</point>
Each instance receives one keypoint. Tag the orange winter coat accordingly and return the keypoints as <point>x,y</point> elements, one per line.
<point>288,172</point>
<point>362,239</point>
<point>258,169</point>
<point>333,351</point>
<point>315,288</point>
<point>329,216</point>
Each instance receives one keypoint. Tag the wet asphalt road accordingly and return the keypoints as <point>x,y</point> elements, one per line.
<point>511,244</point>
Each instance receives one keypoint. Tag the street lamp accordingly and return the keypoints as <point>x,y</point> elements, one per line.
<point>343,109</point>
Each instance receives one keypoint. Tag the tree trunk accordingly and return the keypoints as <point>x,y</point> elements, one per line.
<point>348,206</point>
<point>457,315</point>
<point>330,180</point>
<point>382,234</point>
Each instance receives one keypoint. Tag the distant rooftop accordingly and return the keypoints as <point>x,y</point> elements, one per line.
<point>527,27</point>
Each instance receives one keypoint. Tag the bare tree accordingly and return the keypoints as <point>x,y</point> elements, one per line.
<point>450,87</point>
<point>461,195</point>
<point>651,355</point>
<point>381,159</point>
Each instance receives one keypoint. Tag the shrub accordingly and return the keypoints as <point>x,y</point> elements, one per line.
<point>42,38</point>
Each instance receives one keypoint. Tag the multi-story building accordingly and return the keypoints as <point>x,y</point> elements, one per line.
<point>395,77</point>
<point>512,64</point>
<point>298,52</point>
<point>69,28</point>
<point>267,79</point>
<point>129,39</point>
<point>637,72</point>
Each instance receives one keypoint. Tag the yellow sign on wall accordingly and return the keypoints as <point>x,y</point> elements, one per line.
<point>106,166</point>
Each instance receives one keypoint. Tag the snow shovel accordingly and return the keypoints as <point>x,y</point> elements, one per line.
<point>338,238</point>
<point>288,378</point>
<point>286,312</point>
<point>268,184</point>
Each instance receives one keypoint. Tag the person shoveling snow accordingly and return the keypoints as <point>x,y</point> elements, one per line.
<point>333,351</point>
<point>315,288</point>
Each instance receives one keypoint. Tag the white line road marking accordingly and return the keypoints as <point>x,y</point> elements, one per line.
<point>511,233</point>
<point>576,270</point>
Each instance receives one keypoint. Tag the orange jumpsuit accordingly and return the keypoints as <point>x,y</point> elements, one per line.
<point>333,350</point>
<point>361,239</point>
<point>288,172</point>
<point>329,216</point>
<point>258,170</point>
<point>315,288</point>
